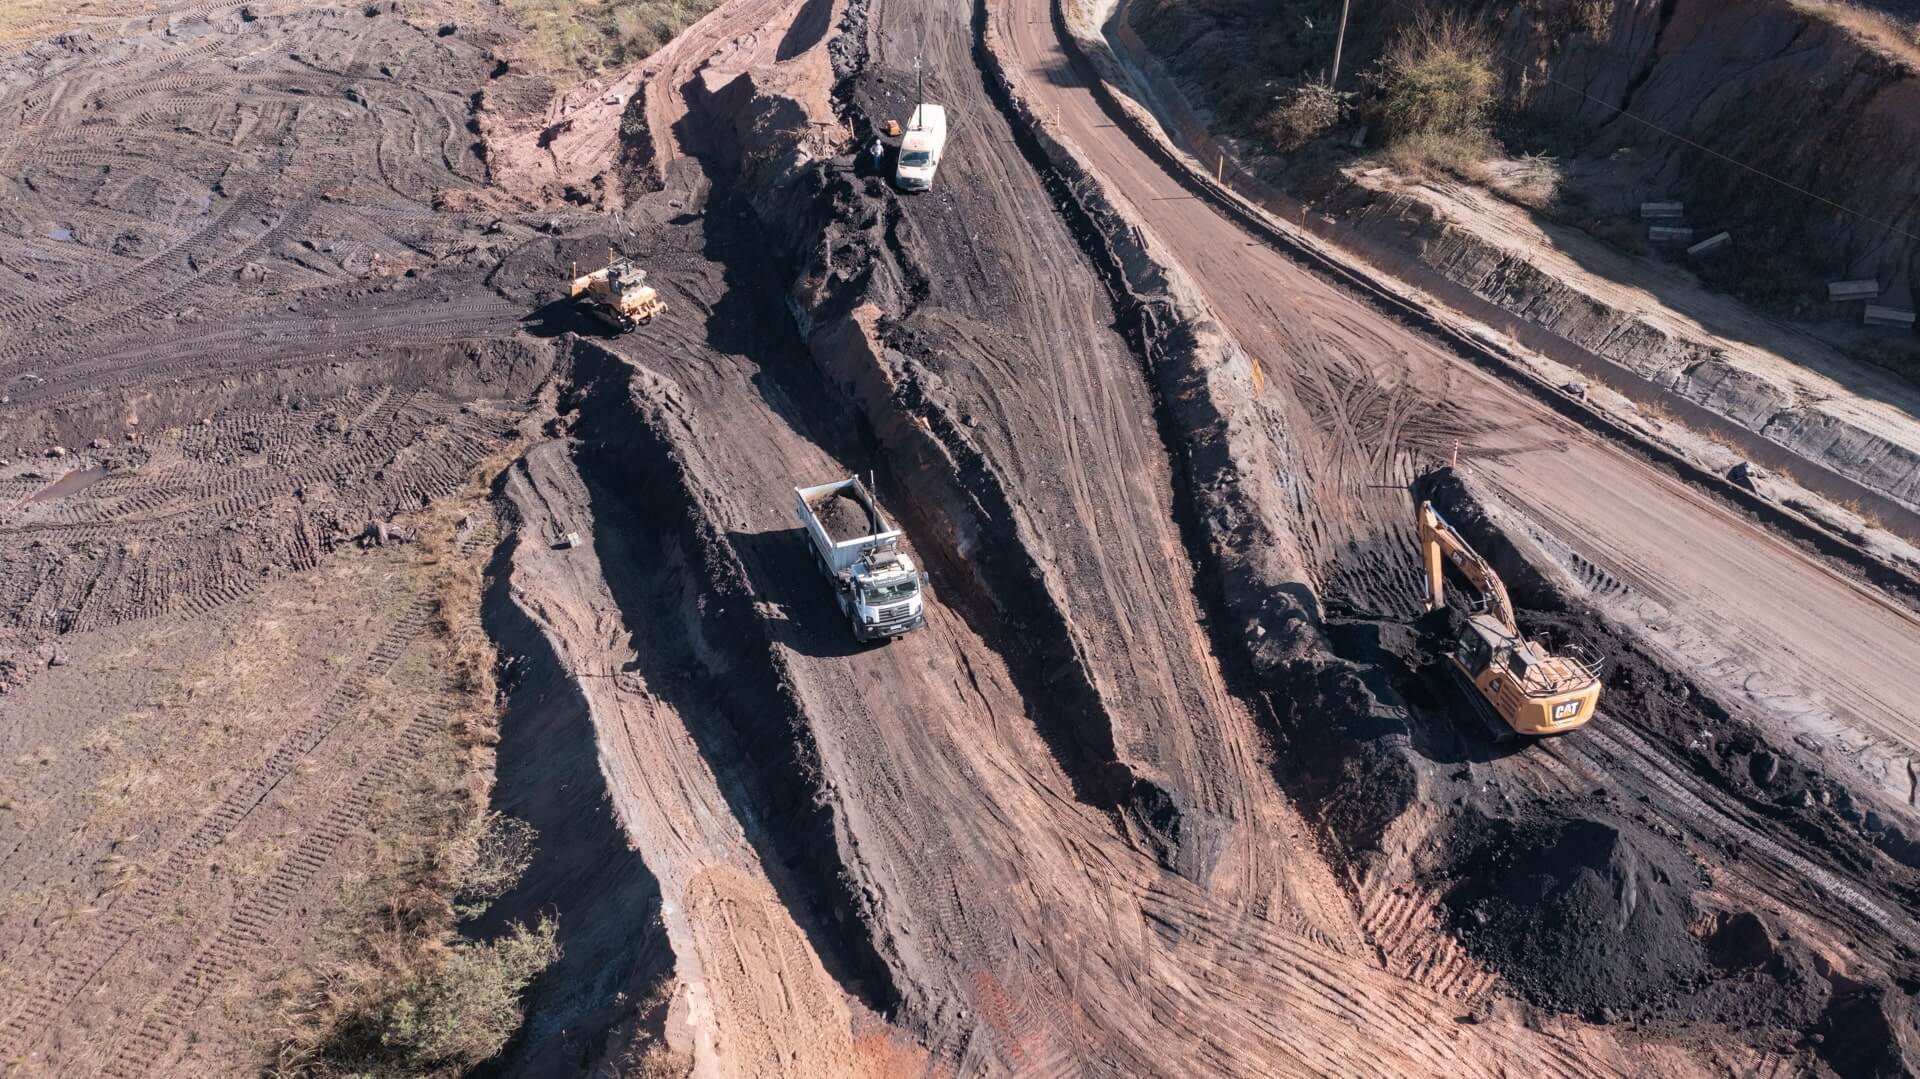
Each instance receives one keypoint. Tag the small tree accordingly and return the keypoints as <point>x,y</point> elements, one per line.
<point>450,1013</point>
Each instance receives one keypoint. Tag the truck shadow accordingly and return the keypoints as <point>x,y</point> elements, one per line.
<point>800,609</point>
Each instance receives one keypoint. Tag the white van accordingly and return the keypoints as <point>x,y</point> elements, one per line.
<point>920,148</point>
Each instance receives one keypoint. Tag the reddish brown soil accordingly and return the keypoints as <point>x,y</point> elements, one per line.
<point>1165,786</point>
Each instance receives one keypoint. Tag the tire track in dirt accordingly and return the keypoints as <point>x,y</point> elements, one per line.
<point>974,921</point>
<point>70,972</point>
<point>1025,373</point>
<point>1234,292</point>
<point>1614,746</point>
<point>246,926</point>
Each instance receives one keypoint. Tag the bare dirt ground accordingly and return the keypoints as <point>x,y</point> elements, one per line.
<point>242,318</point>
<point>1167,785</point>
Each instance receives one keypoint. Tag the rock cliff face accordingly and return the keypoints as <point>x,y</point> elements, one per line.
<point>1790,123</point>
<point>1691,100</point>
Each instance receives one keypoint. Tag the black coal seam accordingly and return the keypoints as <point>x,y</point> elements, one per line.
<point>1036,642</point>
<point>1147,322</point>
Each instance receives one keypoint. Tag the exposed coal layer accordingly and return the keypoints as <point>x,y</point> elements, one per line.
<point>1580,915</point>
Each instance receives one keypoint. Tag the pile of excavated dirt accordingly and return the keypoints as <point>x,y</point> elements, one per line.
<point>1580,915</point>
<point>844,517</point>
<point>1573,867</point>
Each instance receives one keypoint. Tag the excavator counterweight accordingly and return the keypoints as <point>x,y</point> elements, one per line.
<point>1529,689</point>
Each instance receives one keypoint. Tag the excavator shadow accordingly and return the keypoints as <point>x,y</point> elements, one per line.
<point>1448,719</point>
<point>565,316</point>
<point>1405,664</point>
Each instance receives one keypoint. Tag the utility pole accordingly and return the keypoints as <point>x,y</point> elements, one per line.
<point>1339,43</point>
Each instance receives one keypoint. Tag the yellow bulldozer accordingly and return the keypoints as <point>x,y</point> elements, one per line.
<point>1524,688</point>
<point>618,294</point>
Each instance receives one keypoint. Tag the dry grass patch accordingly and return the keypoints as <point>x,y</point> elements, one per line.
<point>23,20</point>
<point>1894,38</point>
<point>408,995</point>
<point>571,41</point>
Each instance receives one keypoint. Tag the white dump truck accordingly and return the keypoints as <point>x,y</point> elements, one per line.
<point>920,147</point>
<point>877,585</point>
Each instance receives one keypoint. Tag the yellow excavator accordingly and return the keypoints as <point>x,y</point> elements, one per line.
<point>1525,688</point>
<point>618,294</point>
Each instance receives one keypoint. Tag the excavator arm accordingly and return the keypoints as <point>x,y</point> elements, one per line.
<point>1441,544</point>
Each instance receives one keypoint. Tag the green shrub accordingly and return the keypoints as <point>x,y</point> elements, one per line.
<point>452,1011</point>
<point>1436,81</point>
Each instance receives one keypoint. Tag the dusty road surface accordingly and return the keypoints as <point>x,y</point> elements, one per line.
<point>1167,784</point>
<point>241,320</point>
<point>1369,397</point>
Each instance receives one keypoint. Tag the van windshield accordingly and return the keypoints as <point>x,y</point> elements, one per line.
<point>915,159</point>
<point>893,593</point>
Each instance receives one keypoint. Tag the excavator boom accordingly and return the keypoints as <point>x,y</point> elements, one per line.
<point>1517,680</point>
<point>1439,540</point>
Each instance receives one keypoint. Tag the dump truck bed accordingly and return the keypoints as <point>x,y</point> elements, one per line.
<point>839,548</point>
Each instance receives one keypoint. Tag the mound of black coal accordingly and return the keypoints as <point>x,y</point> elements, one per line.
<point>1579,915</point>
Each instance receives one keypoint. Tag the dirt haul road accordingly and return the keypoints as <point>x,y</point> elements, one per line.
<point>1365,399</point>
<point>1007,925</point>
<point>1042,837</point>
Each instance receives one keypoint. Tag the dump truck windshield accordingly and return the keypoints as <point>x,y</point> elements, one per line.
<point>914,159</point>
<point>892,593</point>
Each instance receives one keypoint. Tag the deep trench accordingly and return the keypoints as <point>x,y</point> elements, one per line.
<point>768,745</point>
<point>604,899</point>
<point>997,588</point>
<point>998,597</point>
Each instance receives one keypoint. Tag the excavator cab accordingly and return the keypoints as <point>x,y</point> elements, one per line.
<point>1526,689</point>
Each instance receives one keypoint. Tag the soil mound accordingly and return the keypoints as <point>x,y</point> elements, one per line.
<point>1579,915</point>
<point>1869,1031</point>
<point>844,517</point>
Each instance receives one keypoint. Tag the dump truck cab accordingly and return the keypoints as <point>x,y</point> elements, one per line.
<point>885,598</point>
<point>920,148</point>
